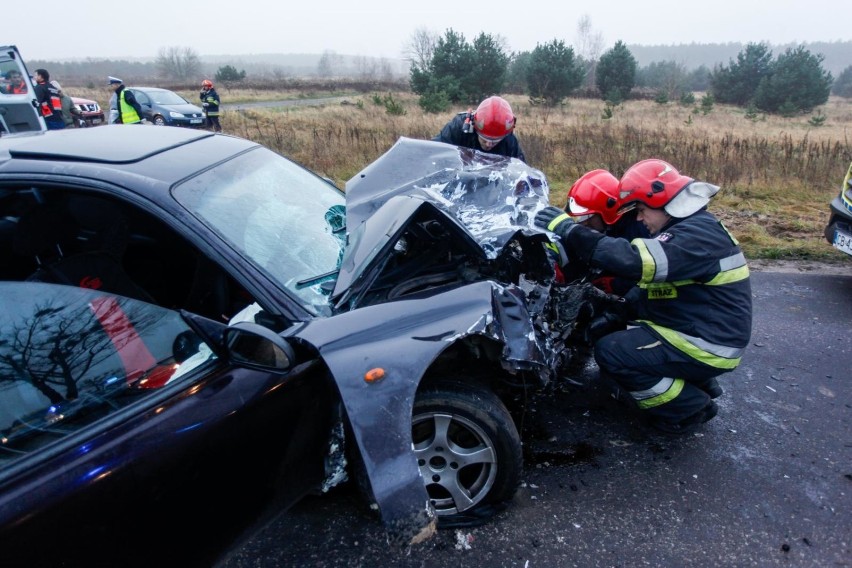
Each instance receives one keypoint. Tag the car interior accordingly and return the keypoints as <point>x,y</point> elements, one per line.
<point>60,235</point>
<point>56,235</point>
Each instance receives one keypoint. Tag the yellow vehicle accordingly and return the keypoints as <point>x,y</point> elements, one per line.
<point>839,229</point>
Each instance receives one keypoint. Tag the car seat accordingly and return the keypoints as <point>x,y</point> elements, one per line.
<point>49,233</point>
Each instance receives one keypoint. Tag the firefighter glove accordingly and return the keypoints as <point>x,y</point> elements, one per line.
<point>602,325</point>
<point>555,220</point>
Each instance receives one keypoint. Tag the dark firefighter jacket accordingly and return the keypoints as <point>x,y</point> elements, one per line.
<point>693,289</point>
<point>453,133</point>
<point>211,97</point>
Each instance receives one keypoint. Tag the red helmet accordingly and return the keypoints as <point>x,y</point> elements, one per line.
<point>493,119</point>
<point>595,192</point>
<point>207,84</point>
<point>652,182</point>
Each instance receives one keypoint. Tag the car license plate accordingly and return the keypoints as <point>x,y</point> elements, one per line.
<point>96,121</point>
<point>195,121</point>
<point>843,241</point>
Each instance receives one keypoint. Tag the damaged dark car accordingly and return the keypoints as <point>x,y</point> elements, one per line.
<point>191,321</point>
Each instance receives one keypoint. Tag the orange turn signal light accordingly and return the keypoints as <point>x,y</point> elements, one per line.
<point>374,375</point>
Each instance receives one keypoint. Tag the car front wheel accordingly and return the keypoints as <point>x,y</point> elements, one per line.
<point>468,451</point>
<point>159,120</point>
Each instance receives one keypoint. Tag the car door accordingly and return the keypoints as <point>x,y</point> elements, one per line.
<point>18,106</point>
<point>145,102</point>
<point>118,416</point>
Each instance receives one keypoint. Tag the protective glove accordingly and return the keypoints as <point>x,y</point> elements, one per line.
<point>602,325</point>
<point>555,220</point>
<point>205,105</point>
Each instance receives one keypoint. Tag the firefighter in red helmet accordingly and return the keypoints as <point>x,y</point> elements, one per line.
<point>691,307</point>
<point>210,102</point>
<point>593,202</point>
<point>490,128</point>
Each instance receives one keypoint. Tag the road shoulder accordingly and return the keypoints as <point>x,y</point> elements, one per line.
<point>842,267</point>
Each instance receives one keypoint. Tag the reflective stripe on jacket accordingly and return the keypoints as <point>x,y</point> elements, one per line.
<point>693,287</point>
<point>211,97</point>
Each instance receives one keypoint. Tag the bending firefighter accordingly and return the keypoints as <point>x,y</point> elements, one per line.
<point>691,306</point>
<point>490,128</point>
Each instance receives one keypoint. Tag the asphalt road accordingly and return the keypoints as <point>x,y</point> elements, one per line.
<point>766,483</point>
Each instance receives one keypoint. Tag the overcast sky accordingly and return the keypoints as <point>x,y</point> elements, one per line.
<point>381,28</point>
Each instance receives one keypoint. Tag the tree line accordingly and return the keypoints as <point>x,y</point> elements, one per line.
<point>448,70</point>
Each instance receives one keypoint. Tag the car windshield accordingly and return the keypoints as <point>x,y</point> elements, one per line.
<point>166,98</point>
<point>282,218</point>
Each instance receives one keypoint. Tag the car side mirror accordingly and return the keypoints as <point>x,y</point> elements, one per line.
<point>253,345</point>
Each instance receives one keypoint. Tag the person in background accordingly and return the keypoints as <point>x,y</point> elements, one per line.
<point>128,110</point>
<point>691,307</point>
<point>15,84</point>
<point>70,113</point>
<point>49,100</point>
<point>490,128</point>
<point>210,103</point>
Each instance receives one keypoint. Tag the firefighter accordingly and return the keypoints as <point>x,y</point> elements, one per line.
<point>210,102</point>
<point>691,306</point>
<point>593,202</point>
<point>490,128</point>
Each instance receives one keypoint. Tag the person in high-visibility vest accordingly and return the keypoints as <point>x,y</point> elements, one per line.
<point>691,308</point>
<point>129,109</point>
<point>49,100</point>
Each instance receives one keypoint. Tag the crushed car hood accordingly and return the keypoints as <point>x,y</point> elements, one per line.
<point>441,253</point>
<point>483,199</point>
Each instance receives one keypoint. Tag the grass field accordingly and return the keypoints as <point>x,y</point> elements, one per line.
<point>777,174</point>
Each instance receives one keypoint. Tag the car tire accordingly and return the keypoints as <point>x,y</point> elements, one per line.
<point>159,120</point>
<point>468,451</point>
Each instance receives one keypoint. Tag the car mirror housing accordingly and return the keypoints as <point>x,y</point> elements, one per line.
<point>253,345</point>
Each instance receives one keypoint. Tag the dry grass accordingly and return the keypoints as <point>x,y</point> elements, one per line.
<point>777,174</point>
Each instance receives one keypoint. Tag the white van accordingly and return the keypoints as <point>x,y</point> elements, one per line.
<point>18,106</point>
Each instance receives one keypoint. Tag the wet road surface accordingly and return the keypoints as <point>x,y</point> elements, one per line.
<point>766,483</point>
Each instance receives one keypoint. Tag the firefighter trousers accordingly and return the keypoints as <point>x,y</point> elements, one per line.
<point>661,380</point>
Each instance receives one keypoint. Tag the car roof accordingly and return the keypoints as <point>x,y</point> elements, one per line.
<point>107,144</point>
<point>142,159</point>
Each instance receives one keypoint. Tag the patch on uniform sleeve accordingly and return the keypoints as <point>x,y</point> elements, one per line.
<point>665,237</point>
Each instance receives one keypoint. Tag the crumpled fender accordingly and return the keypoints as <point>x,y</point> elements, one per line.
<point>403,338</point>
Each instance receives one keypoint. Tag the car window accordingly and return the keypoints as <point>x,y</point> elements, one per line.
<point>141,97</point>
<point>61,235</point>
<point>281,217</point>
<point>167,98</point>
<point>71,356</point>
<point>17,98</point>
